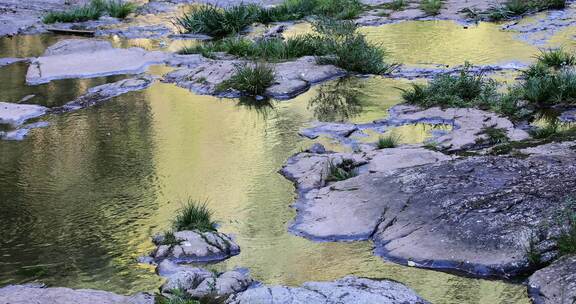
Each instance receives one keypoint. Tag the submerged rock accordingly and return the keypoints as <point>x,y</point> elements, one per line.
<point>16,114</point>
<point>101,93</point>
<point>555,283</point>
<point>198,282</point>
<point>82,58</point>
<point>38,294</point>
<point>195,246</point>
<point>349,289</point>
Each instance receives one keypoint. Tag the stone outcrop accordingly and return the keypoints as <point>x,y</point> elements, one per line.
<point>195,246</point>
<point>291,78</point>
<point>474,215</point>
<point>199,283</point>
<point>38,294</point>
<point>346,290</point>
<point>81,58</point>
<point>467,124</point>
<point>555,284</point>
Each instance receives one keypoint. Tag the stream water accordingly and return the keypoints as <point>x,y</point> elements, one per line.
<point>80,199</point>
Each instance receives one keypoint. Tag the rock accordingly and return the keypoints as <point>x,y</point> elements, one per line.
<point>295,77</point>
<point>198,282</point>
<point>9,61</point>
<point>21,132</point>
<point>99,94</point>
<point>16,114</point>
<point>568,116</point>
<point>153,31</point>
<point>349,289</point>
<point>291,78</point>
<point>83,58</point>
<point>557,150</point>
<point>329,128</point>
<point>317,148</point>
<point>344,219</point>
<point>37,294</point>
<point>555,283</point>
<point>193,246</point>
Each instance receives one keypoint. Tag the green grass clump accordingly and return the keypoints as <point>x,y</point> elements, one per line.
<point>514,8</point>
<point>342,171</point>
<point>464,90</point>
<point>396,5</point>
<point>566,242</point>
<point>251,79</point>
<point>386,142</point>
<point>92,11</point>
<point>194,216</point>
<point>555,58</point>
<point>431,7</point>
<point>169,239</point>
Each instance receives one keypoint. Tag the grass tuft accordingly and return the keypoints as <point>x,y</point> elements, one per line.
<point>396,5</point>
<point>514,8</point>
<point>494,136</point>
<point>92,11</point>
<point>194,216</point>
<point>555,58</point>
<point>431,7</point>
<point>251,79</point>
<point>342,171</point>
<point>386,142</point>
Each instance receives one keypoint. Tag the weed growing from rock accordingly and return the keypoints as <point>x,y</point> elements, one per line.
<point>493,136</point>
<point>556,58</point>
<point>514,8</point>
<point>251,79</point>
<point>566,242</point>
<point>386,142</point>
<point>342,171</point>
<point>396,5</point>
<point>431,7</point>
<point>194,216</point>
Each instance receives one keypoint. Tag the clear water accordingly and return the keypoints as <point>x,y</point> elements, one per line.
<point>81,198</point>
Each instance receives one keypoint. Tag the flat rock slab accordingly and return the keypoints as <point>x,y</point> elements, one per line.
<point>27,294</point>
<point>354,215</point>
<point>9,61</point>
<point>195,246</point>
<point>83,58</point>
<point>555,284</point>
<point>346,290</point>
<point>199,282</point>
<point>16,114</point>
<point>474,215</point>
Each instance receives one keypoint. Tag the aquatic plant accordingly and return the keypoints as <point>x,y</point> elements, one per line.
<point>431,7</point>
<point>555,58</point>
<point>251,79</point>
<point>467,89</point>
<point>386,142</point>
<point>194,215</point>
<point>341,171</point>
<point>92,11</point>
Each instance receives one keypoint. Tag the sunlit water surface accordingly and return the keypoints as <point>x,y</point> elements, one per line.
<point>81,198</point>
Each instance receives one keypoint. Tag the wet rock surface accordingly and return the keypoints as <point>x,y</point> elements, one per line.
<point>199,283</point>
<point>9,61</point>
<point>38,294</point>
<point>555,283</point>
<point>349,289</point>
<point>79,58</point>
<point>194,246</point>
<point>473,215</point>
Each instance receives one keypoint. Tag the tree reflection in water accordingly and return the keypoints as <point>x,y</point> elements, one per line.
<point>338,101</point>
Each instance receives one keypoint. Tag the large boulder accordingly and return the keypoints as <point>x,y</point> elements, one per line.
<point>200,283</point>
<point>195,246</point>
<point>346,290</point>
<point>38,294</point>
<point>87,58</point>
<point>555,284</point>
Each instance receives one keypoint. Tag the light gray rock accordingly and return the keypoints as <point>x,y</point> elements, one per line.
<point>193,246</point>
<point>102,93</point>
<point>346,290</point>
<point>555,284</point>
<point>332,129</point>
<point>16,114</point>
<point>558,150</point>
<point>9,61</point>
<point>204,77</point>
<point>21,132</point>
<point>153,31</point>
<point>37,294</point>
<point>83,58</point>
<point>568,116</point>
<point>198,282</point>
